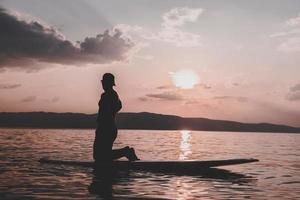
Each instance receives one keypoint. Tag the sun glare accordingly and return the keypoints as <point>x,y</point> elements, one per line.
<point>185,146</point>
<point>185,79</point>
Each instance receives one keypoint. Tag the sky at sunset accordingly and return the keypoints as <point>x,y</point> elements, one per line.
<point>233,60</point>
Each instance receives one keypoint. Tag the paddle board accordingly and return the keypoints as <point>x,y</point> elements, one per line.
<point>168,166</point>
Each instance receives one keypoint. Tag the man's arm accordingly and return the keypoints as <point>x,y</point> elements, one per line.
<point>119,105</point>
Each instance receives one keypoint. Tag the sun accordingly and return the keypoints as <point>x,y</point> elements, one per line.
<point>185,79</point>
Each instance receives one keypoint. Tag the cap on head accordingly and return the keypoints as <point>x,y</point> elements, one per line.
<point>108,78</point>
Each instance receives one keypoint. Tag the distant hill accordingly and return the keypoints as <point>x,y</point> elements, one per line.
<point>143,120</point>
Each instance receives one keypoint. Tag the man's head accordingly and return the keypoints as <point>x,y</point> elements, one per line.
<point>108,81</point>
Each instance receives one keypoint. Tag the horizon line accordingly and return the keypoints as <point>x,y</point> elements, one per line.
<point>174,115</point>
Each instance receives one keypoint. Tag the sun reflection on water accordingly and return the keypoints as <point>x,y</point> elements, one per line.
<point>185,146</point>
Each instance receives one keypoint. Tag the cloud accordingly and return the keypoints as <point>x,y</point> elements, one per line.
<point>180,16</point>
<point>9,86</point>
<point>162,87</point>
<point>138,33</point>
<point>25,43</point>
<point>166,96</point>
<point>178,38</point>
<point>173,21</point>
<point>204,86</point>
<point>29,99</point>
<point>50,100</point>
<point>294,94</point>
<point>239,99</point>
<point>290,45</point>
<point>128,29</point>
<point>286,33</point>
<point>294,21</point>
<point>171,31</point>
<point>143,98</point>
<point>199,104</point>
<point>295,88</point>
<point>290,38</point>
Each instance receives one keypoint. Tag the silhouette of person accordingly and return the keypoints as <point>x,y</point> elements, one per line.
<point>106,132</point>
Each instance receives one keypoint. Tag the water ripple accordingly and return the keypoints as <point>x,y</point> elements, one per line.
<point>276,176</point>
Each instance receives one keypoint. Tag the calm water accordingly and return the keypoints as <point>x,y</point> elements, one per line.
<point>276,176</point>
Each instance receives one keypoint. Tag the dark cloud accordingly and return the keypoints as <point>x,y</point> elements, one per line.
<point>143,98</point>
<point>26,43</point>
<point>204,86</point>
<point>9,86</point>
<point>163,87</point>
<point>166,96</point>
<point>240,99</point>
<point>294,94</point>
<point>29,99</point>
<point>295,88</point>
